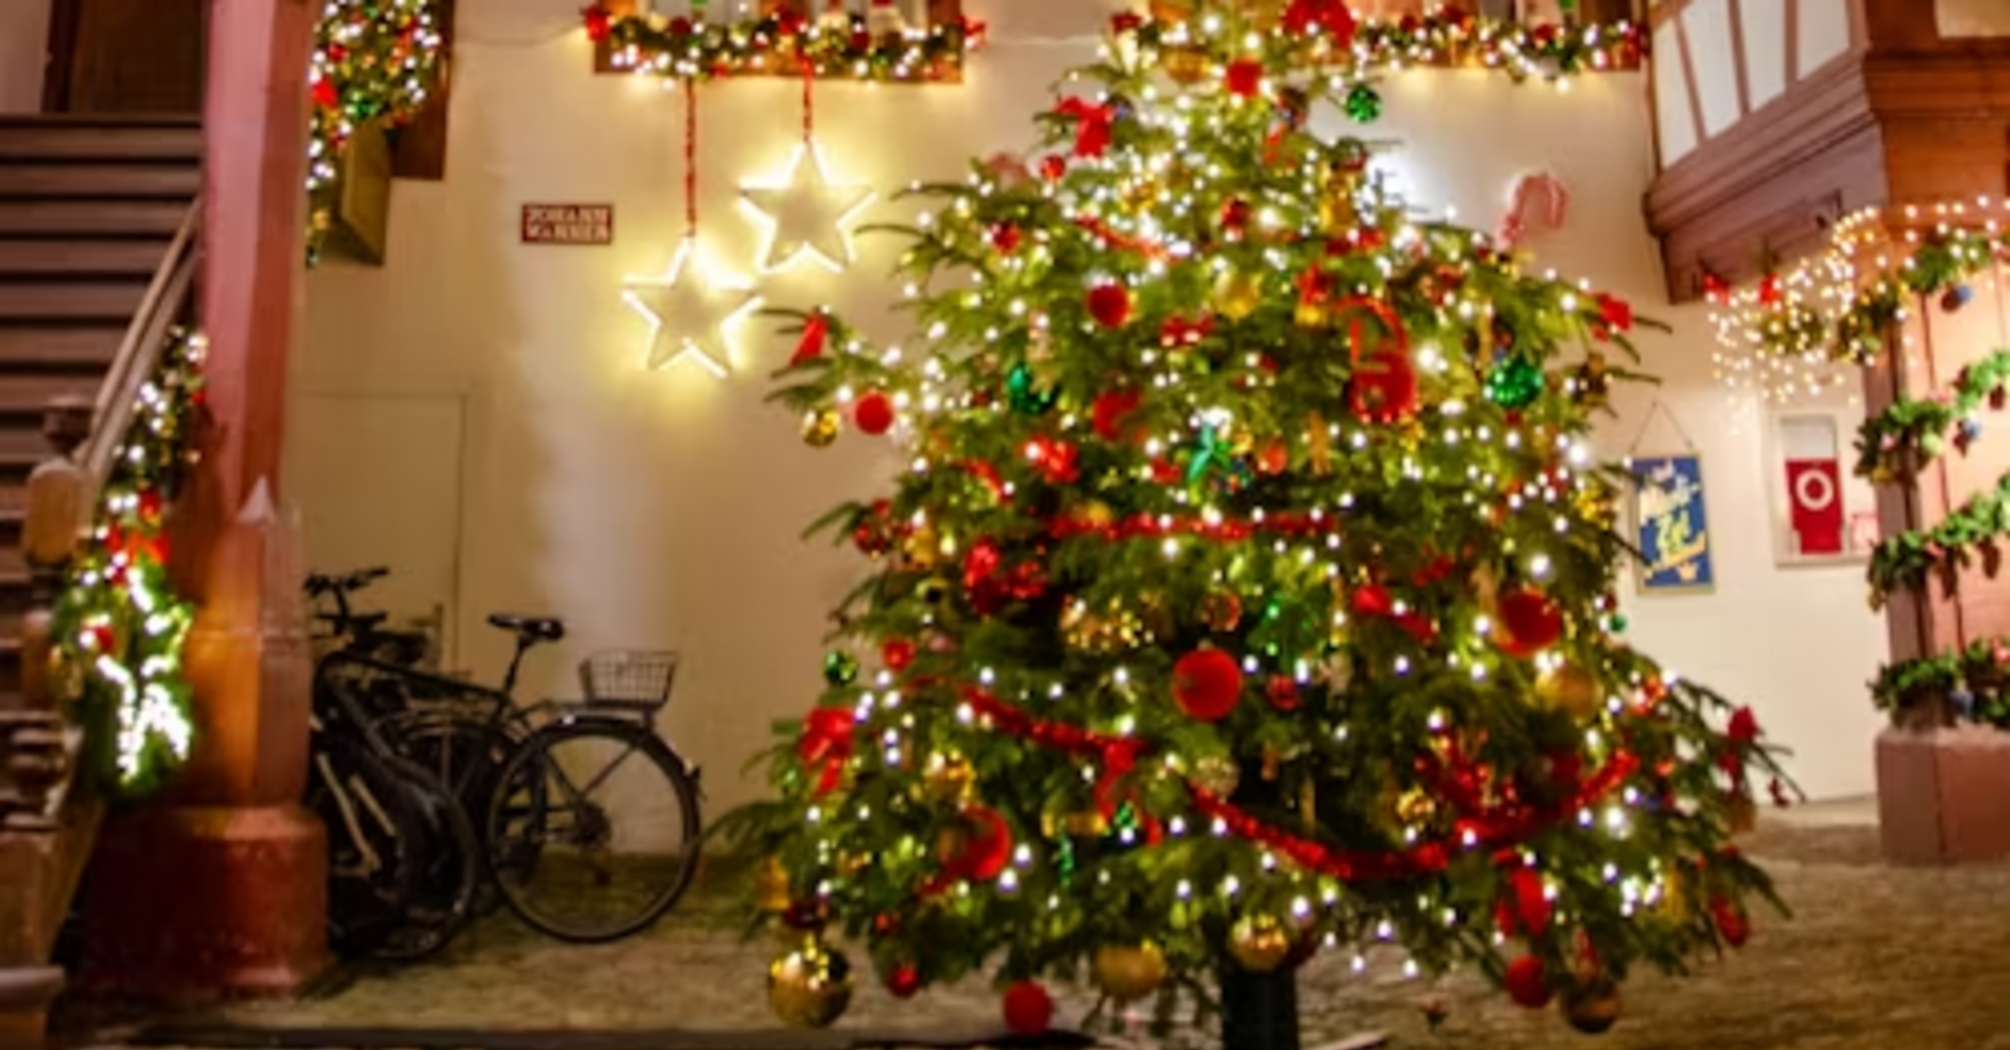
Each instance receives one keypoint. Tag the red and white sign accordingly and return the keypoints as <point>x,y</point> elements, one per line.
<point>591,224</point>
<point>1815,500</point>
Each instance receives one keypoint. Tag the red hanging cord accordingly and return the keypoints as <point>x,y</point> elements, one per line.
<point>691,158</point>
<point>809,100</point>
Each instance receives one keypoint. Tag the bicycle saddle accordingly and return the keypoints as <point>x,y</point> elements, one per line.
<point>536,628</point>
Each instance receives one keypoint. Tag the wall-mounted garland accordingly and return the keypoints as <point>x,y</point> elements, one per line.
<point>119,625</point>
<point>374,60</point>
<point>1893,447</point>
<point>1796,332</point>
<point>846,45</point>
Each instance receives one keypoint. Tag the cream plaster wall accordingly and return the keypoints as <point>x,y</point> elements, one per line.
<point>1973,17</point>
<point>24,39</point>
<point>664,508</point>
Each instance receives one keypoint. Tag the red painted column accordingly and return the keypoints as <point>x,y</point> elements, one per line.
<point>219,888</point>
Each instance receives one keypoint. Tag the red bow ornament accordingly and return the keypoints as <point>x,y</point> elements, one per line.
<point>826,746</point>
<point>1092,125</point>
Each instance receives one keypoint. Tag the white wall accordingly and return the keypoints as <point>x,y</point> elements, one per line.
<point>24,40</point>
<point>664,508</point>
<point>1973,17</point>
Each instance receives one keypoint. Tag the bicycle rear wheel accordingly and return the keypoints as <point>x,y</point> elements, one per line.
<point>594,829</point>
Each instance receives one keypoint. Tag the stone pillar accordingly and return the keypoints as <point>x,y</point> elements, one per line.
<point>219,888</point>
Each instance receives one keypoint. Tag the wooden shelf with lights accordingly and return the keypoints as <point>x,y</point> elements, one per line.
<point>629,43</point>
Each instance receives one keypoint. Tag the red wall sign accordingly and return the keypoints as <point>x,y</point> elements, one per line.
<point>1815,496</point>
<point>568,224</point>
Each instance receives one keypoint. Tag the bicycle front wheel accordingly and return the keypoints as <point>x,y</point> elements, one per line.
<point>593,829</point>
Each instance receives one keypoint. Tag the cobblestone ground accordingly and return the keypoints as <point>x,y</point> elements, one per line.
<point>1875,958</point>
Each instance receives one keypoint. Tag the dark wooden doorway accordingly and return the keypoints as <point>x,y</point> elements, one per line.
<point>126,56</point>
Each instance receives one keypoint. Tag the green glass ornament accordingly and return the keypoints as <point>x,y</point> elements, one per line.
<point>1024,395</point>
<point>1616,623</point>
<point>1364,104</point>
<point>1515,383</point>
<point>840,667</point>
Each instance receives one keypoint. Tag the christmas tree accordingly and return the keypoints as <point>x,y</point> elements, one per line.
<point>1248,589</point>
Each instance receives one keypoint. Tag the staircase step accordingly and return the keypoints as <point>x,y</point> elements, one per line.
<point>123,181</point>
<point>61,218</point>
<point>60,346</point>
<point>43,137</point>
<point>101,300</point>
<point>48,257</point>
<point>28,396</point>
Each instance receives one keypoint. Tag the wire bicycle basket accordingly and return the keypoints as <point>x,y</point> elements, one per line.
<point>639,678</point>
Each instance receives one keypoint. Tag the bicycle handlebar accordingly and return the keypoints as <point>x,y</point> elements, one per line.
<point>319,584</point>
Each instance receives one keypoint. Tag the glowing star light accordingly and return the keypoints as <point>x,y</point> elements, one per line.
<point>706,310</point>
<point>806,212</point>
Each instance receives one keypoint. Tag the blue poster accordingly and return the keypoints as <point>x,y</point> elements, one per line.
<point>1674,530</point>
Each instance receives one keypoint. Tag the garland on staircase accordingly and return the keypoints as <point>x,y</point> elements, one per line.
<point>1893,447</point>
<point>120,625</point>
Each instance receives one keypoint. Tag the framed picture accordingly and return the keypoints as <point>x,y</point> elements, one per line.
<point>1820,512</point>
<point>1671,524</point>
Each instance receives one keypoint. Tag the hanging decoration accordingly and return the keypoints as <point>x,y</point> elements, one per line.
<point>694,318</point>
<point>374,61</point>
<point>1542,195</point>
<point>805,212</point>
<point>119,625</point>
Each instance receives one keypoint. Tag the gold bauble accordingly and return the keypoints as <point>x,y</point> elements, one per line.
<point>1337,215</point>
<point>771,886</point>
<point>949,778</point>
<point>1186,65</point>
<point>1096,514</point>
<point>1572,690</point>
<point>1311,314</point>
<point>1128,974</point>
<point>922,549</point>
<point>809,986</point>
<point>1237,295</point>
<point>1591,1005</point>
<point>1416,806</point>
<point>1219,774</point>
<point>820,429</point>
<point>1259,944</point>
<point>1678,894</point>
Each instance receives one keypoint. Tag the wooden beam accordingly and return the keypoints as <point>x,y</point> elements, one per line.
<point>1689,83</point>
<point>1735,11</point>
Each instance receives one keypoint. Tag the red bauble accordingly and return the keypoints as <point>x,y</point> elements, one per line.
<point>1617,313</point>
<point>1731,923</point>
<point>897,654</point>
<point>1110,411</point>
<point>1373,600</point>
<point>1384,389</point>
<point>1530,622</point>
<point>1029,1010</point>
<point>103,638</point>
<point>1273,457</point>
<point>1052,168</point>
<point>1245,77</point>
<point>1523,908</point>
<point>324,94</point>
<point>1282,692</point>
<point>985,848</point>
<point>873,414</point>
<point>904,980</point>
<point>1006,238</point>
<point>1527,983</point>
<point>599,22</point>
<point>1110,305</point>
<point>1207,683</point>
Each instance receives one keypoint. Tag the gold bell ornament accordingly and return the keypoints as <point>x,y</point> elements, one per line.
<point>771,887</point>
<point>1259,944</point>
<point>1572,690</point>
<point>1128,974</point>
<point>820,428</point>
<point>810,985</point>
<point>1237,295</point>
<point>949,777</point>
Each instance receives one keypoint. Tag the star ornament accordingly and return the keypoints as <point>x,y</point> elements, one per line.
<point>691,315</point>
<point>806,212</point>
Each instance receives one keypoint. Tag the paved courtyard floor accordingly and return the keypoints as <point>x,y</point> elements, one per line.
<point>1875,958</point>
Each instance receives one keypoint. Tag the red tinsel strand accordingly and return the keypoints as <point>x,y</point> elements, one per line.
<point>691,158</point>
<point>809,101</point>
<point>1152,526</point>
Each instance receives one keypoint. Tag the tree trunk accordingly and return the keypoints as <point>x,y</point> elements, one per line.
<point>1259,1011</point>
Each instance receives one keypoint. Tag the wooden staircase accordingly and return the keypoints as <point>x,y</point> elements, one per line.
<point>97,230</point>
<point>88,208</point>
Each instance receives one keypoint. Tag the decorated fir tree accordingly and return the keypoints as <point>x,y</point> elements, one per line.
<point>1248,589</point>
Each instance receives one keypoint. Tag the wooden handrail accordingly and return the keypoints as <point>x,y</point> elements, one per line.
<point>138,358</point>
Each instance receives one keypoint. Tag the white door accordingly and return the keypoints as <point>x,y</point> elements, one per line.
<point>377,481</point>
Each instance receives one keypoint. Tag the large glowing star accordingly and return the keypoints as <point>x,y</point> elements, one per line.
<point>806,212</point>
<point>693,317</point>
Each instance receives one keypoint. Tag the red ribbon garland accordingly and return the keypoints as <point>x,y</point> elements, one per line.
<point>1493,827</point>
<point>691,158</point>
<point>1155,526</point>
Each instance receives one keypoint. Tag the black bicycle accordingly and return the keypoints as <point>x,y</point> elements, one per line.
<point>404,860</point>
<point>589,818</point>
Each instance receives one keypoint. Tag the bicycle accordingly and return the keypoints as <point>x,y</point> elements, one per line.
<point>404,860</point>
<point>548,791</point>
